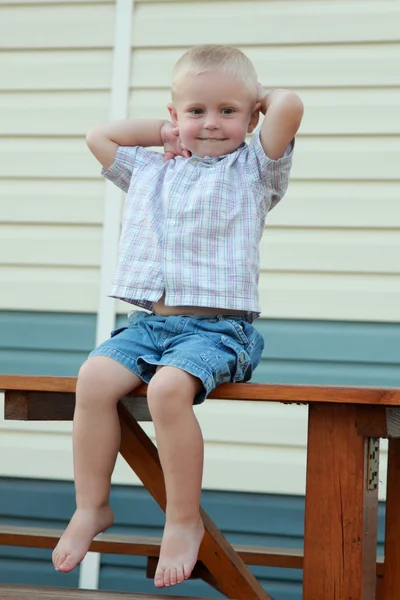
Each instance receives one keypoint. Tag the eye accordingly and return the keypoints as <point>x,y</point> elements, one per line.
<point>196,111</point>
<point>227,111</point>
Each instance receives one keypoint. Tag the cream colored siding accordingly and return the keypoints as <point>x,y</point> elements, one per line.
<point>56,74</point>
<point>331,248</point>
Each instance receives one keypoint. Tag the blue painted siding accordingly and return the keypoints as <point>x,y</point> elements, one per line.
<point>304,352</point>
<point>244,518</point>
<point>45,343</point>
<point>37,504</point>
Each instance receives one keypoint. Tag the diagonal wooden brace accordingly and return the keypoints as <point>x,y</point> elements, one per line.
<point>226,567</point>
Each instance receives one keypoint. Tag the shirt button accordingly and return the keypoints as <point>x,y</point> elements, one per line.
<point>172,222</point>
<point>241,358</point>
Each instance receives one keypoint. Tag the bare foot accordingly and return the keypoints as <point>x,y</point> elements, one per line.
<point>179,550</point>
<point>85,524</point>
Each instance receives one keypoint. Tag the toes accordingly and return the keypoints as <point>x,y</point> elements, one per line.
<point>173,578</point>
<point>187,569</point>
<point>67,565</point>
<point>167,577</point>
<point>180,576</point>
<point>63,562</point>
<point>58,559</point>
<point>159,578</point>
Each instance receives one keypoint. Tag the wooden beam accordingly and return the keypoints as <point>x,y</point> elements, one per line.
<point>378,421</point>
<point>60,406</point>
<point>340,526</point>
<point>24,592</point>
<point>234,578</point>
<point>232,391</point>
<point>111,543</point>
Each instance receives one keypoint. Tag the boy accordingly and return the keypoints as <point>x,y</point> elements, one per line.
<point>189,254</point>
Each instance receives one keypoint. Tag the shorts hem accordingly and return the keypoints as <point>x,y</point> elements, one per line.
<point>205,376</point>
<point>121,358</point>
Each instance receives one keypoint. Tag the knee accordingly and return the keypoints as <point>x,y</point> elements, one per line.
<point>92,385</point>
<point>166,400</point>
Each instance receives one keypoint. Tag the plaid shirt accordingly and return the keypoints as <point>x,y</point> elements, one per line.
<point>192,226</point>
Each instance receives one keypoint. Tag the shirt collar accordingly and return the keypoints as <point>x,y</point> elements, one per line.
<point>211,160</point>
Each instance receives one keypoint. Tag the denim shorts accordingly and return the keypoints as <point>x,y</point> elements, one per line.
<point>216,349</point>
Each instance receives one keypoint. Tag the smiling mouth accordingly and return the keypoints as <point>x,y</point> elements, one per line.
<point>213,139</point>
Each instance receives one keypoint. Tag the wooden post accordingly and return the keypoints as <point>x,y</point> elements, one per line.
<point>341,507</point>
<point>390,587</point>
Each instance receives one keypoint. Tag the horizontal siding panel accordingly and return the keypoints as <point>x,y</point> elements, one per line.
<point>24,2</point>
<point>348,112</point>
<point>327,250</point>
<point>338,342</point>
<point>46,201</point>
<point>338,297</point>
<point>261,23</point>
<point>56,70</point>
<point>57,26</point>
<point>70,246</point>
<point>312,66</point>
<point>368,158</point>
<point>47,158</point>
<point>328,112</point>
<point>338,204</point>
<point>47,331</point>
<point>281,249</point>
<point>352,158</point>
<point>45,343</point>
<point>301,372</point>
<point>60,113</point>
<point>38,362</point>
<point>63,289</point>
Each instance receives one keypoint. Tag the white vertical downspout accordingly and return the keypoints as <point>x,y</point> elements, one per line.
<point>89,574</point>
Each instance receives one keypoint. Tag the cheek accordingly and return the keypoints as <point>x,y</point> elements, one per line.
<point>188,129</point>
<point>238,128</point>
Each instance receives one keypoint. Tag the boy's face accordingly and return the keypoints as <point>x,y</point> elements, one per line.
<point>213,112</point>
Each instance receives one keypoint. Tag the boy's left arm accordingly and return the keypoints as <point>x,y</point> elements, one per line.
<point>283,111</point>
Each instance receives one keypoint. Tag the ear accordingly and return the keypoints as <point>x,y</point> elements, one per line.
<point>173,114</point>
<point>255,116</point>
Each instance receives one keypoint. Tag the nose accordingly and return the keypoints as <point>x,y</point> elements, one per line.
<point>211,121</point>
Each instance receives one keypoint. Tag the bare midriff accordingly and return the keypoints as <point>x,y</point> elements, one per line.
<point>161,309</point>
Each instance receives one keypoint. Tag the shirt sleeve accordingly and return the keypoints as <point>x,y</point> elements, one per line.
<point>273,174</point>
<point>127,160</point>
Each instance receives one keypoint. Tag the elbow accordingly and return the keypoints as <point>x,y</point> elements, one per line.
<point>293,102</point>
<point>293,108</point>
<point>92,137</point>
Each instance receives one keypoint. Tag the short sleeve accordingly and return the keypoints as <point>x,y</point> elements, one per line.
<point>273,174</point>
<point>127,160</point>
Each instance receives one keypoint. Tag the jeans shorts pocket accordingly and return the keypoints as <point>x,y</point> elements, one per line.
<point>242,368</point>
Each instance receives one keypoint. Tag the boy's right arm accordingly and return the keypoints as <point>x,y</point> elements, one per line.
<point>104,140</point>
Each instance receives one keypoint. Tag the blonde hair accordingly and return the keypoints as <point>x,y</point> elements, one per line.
<point>215,57</point>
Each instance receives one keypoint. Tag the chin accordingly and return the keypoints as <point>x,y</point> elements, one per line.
<point>215,150</point>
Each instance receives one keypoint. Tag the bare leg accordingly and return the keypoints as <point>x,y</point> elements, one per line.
<point>180,445</point>
<point>96,440</point>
